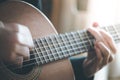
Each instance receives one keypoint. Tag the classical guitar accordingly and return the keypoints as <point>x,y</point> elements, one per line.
<point>49,58</point>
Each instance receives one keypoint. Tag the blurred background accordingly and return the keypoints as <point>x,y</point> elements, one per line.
<point>72,15</point>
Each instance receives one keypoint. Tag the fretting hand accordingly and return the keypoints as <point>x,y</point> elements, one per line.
<point>103,53</point>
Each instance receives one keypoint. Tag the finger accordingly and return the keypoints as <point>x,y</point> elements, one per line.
<point>19,61</point>
<point>106,53</point>
<point>95,33</point>
<point>99,57</point>
<point>10,58</point>
<point>25,39</point>
<point>22,51</point>
<point>13,27</point>
<point>98,36</point>
<point>13,60</point>
<point>98,53</point>
<point>109,41</point>
<point>95,24</point>
<point>23,35</point>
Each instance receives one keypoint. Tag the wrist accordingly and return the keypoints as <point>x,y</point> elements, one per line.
<point>87,71</point>
<point>77,64</point>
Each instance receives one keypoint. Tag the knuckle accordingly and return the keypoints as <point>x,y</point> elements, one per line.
<point>100,59</point>
<point>109,38</point>
<point>11,57</point>
<point>27,54</point>
<point>111,58</point>
<point>114,50</point>
<point>13,26</point>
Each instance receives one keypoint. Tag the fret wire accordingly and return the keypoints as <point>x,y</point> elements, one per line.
<point>64,51</point>
<point>49,52</point>
<point>118,35</point>
<point>69,53</point>
<point>43,63</point>
<point>64,41</point>
<point>44,43</point>
<point>67,50</point>
<point>116,32</point>
<point>107,29</point>
<point>42,60</point>
<point>83,40</point>
<point>112,30</point>
<point>36,51</point>
<point>55,51</point>
<point>91,44</point>
<point>36,54</point>
<point>63,48</point>
<point>86,41</point>
<point>64,57</point>
<point>41,50</point>
<point>112,33</point>
<point>52,48</point>
<point>75,39</point>
<point>80,51</point>
<point>118,27</point>
<point>70,44</point>
<point>46,46</point>
<point>59,49</point>
<point>80,44</point>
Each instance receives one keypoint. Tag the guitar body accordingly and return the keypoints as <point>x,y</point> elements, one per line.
<point>40,26</point>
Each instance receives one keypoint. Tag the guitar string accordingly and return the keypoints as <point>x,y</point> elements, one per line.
<point>48,59</point>
<point>44,47</point>
<point>42,56</point>
<point>53,49</point>
<point>51,45</point>
<point>54,58</point>
<point>73,36</point>
<point>36,58</point>
<point>54,44</point>
<point>60,43</point>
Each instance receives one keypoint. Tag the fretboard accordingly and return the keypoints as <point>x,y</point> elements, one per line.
<point>57,47</point>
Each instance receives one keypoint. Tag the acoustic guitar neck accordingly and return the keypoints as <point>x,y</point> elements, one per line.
<point>57,47</point>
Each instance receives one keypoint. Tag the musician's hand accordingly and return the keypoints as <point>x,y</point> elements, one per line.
<point>103,53</point>
<point>15,42</point>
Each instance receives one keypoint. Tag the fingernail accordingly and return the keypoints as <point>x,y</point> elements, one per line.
<point>95,24</point>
